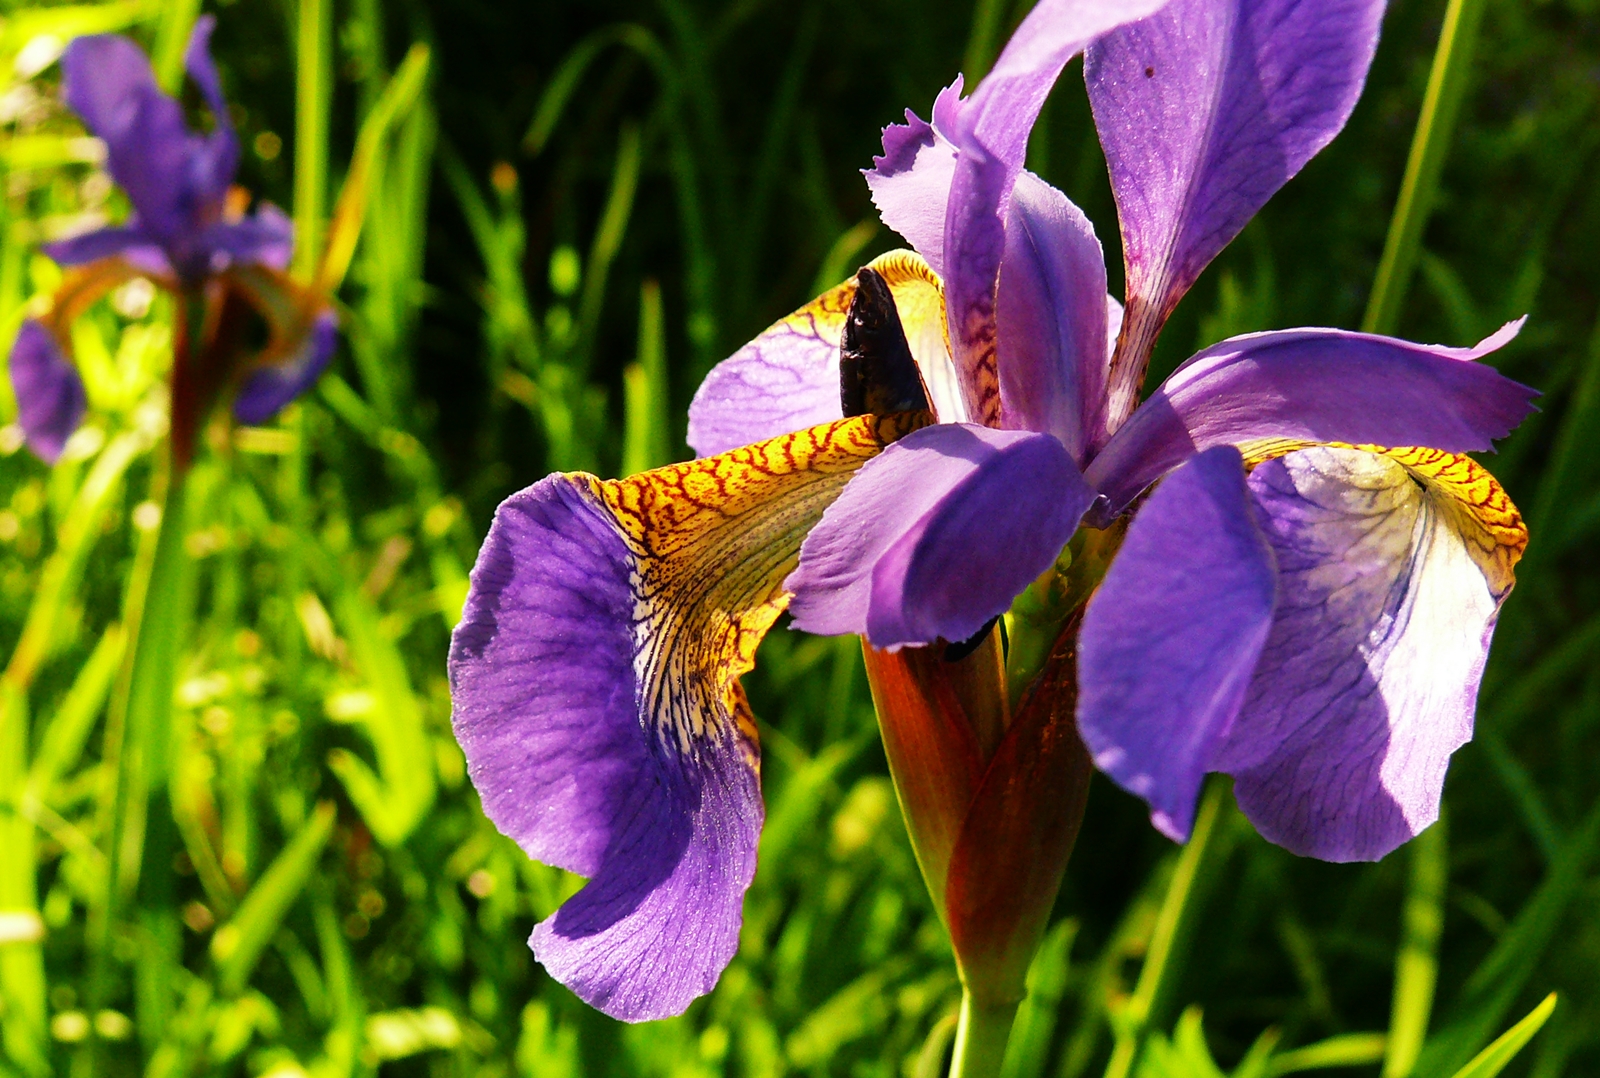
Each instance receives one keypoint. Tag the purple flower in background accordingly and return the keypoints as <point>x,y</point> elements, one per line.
<point>1301,601</point>
<point>187,228</point>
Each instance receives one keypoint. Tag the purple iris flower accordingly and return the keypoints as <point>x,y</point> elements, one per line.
<point>187,227</point>
<point>1302,601</point>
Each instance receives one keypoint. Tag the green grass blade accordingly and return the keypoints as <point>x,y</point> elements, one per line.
<point>1416,971</point>
<point>237,945</point>
<point>647,401</point>
<point>1493,1059</point>
<point>1447,84</point>
<point>64,737</point>
<point>172,40</point>
<point>1344,1050</point>
<point>608,235</point>
<point>313,93</point>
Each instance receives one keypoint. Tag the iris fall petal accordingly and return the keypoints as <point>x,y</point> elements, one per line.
<point>595,684</point>
<point>50,396</point>
<point>938,535</point>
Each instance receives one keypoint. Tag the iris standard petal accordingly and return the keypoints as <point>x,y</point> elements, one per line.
<point>266,390</point>
<point>149,149</point>
<point>938,535</point>
<point>910,180</point>
<point>50,396</point>
<point>1313,385</point>
<point>990,132</point>
<point>1392,566</point>
<point>595,685</point>
<point>788,377</point>
<point>1052,318</point>
<point>1171,639</point>
<point>1205,109</point>
<point>217,156</point>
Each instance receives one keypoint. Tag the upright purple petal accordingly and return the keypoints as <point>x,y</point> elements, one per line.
<point>266,390</point>
<point>594,679</point>
<point>938,535</point>
<point>1205,109</point>
<point>1052,318</point>
<point>50,397</point>
<point>1171,639</point>
<point>1314,385</point>
<point>215,165</point>
<point>787,379</point>
<point>1389,586</point>
<point>910,181</point>
<point>149,149</point>
<point>990,133</point>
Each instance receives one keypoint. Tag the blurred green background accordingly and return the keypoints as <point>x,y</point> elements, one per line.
<point>586,205</point>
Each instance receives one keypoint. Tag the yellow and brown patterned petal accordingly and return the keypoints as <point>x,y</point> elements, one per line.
<point>595,682</point>
<point>788,377</point>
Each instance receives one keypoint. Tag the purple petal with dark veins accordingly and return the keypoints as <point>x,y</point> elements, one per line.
<point>937,535</point>
<point>1171,639</point>
<point>1369,677</point>
<point>910,180</point>
<point>547,709</point>
<point>1205,109</point>
<point>266,390</point>
<point>990,132</point>
<point>1052,318</point>
<point>50,397</point>
<point>1318,385</point>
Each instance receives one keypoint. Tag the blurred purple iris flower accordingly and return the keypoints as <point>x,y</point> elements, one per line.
<point>1301,602</point>
<point>187,232</point>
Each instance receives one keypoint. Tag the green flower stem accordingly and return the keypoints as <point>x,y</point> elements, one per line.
<point>981,1036</point>
<point>1416,972</point>
<point>1447,83</point>
<point>1177,914</point>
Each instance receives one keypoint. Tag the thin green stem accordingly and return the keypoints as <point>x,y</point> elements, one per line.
<point>1176,916</point>
<point>986,16</point>
<point>981,1036</point>
<point>1416,971</point>
<point>1447,83</point>
<point>313,44</point>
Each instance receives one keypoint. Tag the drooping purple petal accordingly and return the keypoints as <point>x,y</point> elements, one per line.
<point>98,244</point>
<point>547,709</point>
<point>910,180</point>
<point>990,132</point>
<point>1052,318</point>
<point>787,379</point>
<point>938,535</point>
<point>50,396</point>
<point>1205,109</point>
<point>266,390</point>
<point>1316,385</point>
<point>1388,595</point>
<point>1171,639</point>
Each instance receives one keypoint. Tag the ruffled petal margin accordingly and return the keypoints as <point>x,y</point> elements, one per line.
<point>595,684</point>
<point>787,379</point>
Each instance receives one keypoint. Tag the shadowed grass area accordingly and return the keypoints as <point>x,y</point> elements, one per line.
<point>570,211</point>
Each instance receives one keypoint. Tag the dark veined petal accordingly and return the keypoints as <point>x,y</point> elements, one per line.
<point>1052,318</point>
<point>1205,109</point>
<point>938,535</point>
<point>788,377</point>
<point>1392,566</point>
<point>1171,639</point>
<point>50,396</point>
<point>990,132</point>
<point>266,390</point>
<point>595,684</point>
<point>1314,385</point>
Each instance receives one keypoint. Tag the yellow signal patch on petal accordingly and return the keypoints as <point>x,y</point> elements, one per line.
<point>712,541</point>
<point>1477,505</point>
